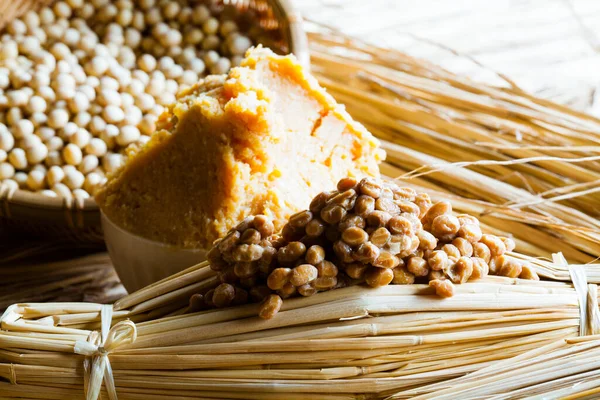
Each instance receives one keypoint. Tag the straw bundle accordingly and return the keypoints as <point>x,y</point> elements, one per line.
<point>524,165</point>
<point>347,343</point>
<point>566,369</point>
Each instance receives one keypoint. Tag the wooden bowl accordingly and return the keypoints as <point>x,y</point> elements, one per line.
<point>80,221</point>
<point>140,262</point>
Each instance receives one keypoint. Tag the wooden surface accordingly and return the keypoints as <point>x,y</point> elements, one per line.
<point>549,47</point>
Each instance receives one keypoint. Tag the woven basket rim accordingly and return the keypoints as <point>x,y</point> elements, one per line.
<point>298,46</point>
<point>40,201</point>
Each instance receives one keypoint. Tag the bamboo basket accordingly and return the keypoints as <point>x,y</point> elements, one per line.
<point>80,221</point>
<point>351,343</point>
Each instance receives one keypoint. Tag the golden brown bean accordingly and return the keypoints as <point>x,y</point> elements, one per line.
<point>343,251</point>
<point>439,208</point>
<point>482,251</point>
<point>223,295</point>
<point>411,246</point>
<point>387,205</point>
<point>228,242</point>
<point>276,241</point>
<point>414,220</point>
<point>291,234</point>
<point>208,298</point>
<point>299,220</point>
<point>461,270</point>
<point>436,275</point>
<point>364,205</point>
<point>214,254</point>
<point>466,219</point>
<point>399,225</point>
<point>303,274</point>
<point>196,303</point>
<point>346,183</point>
<point>386,260</point>
<point>437,260</point>
<point>250,236</point>
<point>327,268</point>
<point>216,261</point>
<point>315,228</point>
<point>408,207</point>
<point>278,278</point>
<point>325,282</point>
<point>464,246</point>
<point>356,270</point>
<point>508,266</point>
<point>527,272</point>
<point>387,193</point>
<point>370,187</point>
<point>380,237</point>
<point>417,266</point>
<point>404,193</point>
<point>494,266</point>
<point>470,232</point>
<point>244,224</point>
<point>480,268</point>
<point>315,254</point>
<point>346,199</point>
<point>319,201</point>
<point>263,225</point>
<point>288,290</point>
<point>495,244</point>
<point>307,290</point>
<point>247,253</point>
<point>426,240</point>
<point>333,213</point>
<point>245,269</point>
<point>402,276</point>
<point>365,253</point>
<point>509,243</point>
<point>270,306</point>
<point>423,253</point>
<point>400,245</point>
<point>423,201</point>
<point>290,253</point>
<point>445,227</point>
<point>451,251</point>
<point>443,288</point>
<point>376,277</point>
<point>351,220</point>
<point>267,260</point>
<point>391,186</point>
<point>355,236</point>
<point>378,219</point>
